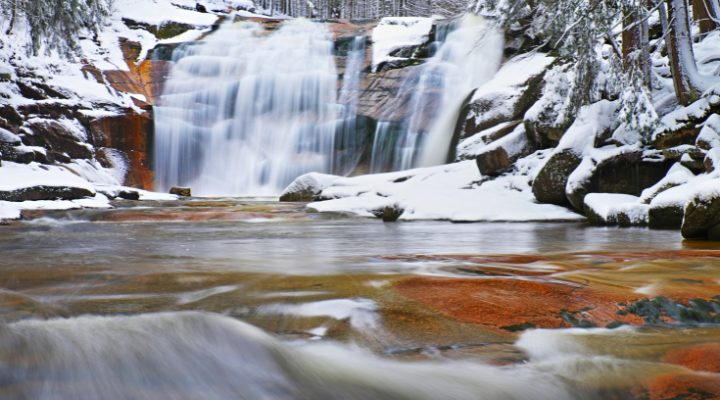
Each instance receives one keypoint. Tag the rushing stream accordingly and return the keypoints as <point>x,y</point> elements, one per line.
<point>252,299</point>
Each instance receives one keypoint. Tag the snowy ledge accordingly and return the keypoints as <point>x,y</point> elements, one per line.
<point>453,192</point>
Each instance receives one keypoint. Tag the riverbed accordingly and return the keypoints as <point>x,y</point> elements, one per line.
<point>248,298</point>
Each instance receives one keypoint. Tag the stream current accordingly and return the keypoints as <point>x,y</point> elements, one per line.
<point>252,299</point>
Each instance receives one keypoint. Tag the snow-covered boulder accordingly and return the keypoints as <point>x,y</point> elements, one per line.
<point>683,125</point>
<point>39,182</point>
<point>702,211</point>
<point>615,209</point>
<point>499,155</point>
<point>625,170</point>
<point>709,136</point>
<point>307,187</point>
<point>395,39</point>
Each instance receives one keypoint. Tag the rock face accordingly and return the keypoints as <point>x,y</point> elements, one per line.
<point>45,193</point>
<point>549,184</point>
<point>702,212</point>
<point>307,187</point>
<point>499,155</point>
<point>627,173</point>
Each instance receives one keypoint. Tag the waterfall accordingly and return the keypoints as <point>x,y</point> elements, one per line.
<point>466,55</point>
<point>246,112</point>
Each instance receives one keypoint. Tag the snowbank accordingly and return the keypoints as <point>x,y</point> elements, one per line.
<point>448,192</point>
<point>393,33</point>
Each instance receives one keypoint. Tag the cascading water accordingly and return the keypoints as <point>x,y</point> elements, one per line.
<point>245,112</point>
<point>467,54</point>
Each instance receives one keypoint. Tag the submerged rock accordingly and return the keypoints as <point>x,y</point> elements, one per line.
<point>549,184</point>
<point>308,187</point>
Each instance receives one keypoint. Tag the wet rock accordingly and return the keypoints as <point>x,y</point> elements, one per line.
<point>627,173</point>
<point>665,216</point>
<point>549,184</point>
<point>684,386</point>
<point>308,187</point>
<point>660,310</point>
<point>702,211</point>
<point>615,209</point>
<point>500,155</point>
<point>392,213</point>
<point>701,358</point>
<point>181,191</point>
<point>132,195</point>
<point>45,193</point>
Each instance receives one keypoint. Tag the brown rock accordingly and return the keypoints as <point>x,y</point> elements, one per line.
<point>497,157</point>
<point>180,191</point>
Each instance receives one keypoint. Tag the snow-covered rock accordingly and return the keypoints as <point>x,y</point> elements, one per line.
<point>396,33</point>
<point>455,192</point>
<point>702,212</point>
<point>307,187</point>
<point>499,155</point>
<point>615,209</point>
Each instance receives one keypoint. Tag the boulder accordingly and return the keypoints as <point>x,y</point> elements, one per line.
<point>180,191</point>
<point>549,183</point>
<point>392,213</point>
<point>615,209</point>
<point>665,215</point>
<point>709,136</point>
<point>702,211</point>
<point>44,192</point>
<point>684,125</point>
<point>498,156</point>
<point>308,187</point>
<point>625,173</point>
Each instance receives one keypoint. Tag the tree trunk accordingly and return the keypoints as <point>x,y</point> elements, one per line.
<point>701,15</point>
<point>635,45</point>
<point>682,59</point>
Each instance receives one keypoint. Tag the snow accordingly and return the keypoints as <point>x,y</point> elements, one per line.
<point>610,205</point>
<point>15,176</point>
<point>395,32</point>
<point>447,192</point>
<point>676,176</point>
<point>157,12</point>
<point>314,181</point>
<point>514,74</point>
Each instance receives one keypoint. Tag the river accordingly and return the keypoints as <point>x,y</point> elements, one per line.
<point>247,298</point>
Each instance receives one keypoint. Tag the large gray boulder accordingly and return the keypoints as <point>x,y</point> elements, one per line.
<point>549,183</point>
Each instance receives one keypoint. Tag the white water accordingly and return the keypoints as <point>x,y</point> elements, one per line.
<point>468,55</point>
<point>246,113</point>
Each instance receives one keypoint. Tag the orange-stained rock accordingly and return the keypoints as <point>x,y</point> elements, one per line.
<point>702,358</point>
<point>507,302</point>
<point>686,387</point>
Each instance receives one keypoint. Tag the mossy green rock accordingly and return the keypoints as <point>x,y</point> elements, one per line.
<point>701,214</point>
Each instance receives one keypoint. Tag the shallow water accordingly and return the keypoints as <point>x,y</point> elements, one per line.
<point>165,301</point>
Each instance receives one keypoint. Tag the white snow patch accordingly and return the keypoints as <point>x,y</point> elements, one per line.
<point>446,192</point>
<point>610,205</point>
<point>395,32</point>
